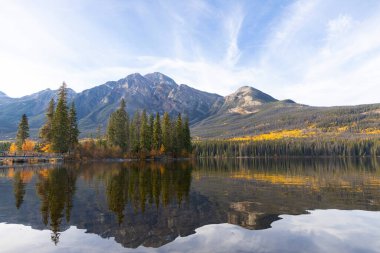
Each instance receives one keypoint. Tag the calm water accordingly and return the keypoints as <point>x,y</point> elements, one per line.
<point>298,205</point>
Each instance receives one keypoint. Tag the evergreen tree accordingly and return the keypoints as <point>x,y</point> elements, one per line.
<point>157,133</point>
<point>186,135</point>
<point>135,132</point>
<point>173,136</point>
<point>144,132</point>
<point>111,129</point>
<point>150,134</point>
<point>61,124</point>
<point>117,127</point>
<point>166,129</point>
<point>178,134</point>
<point>73,127</point>
<point>127,131</point>
<point>99,136</point>
<point>46,129</point>
<point>22,132</point>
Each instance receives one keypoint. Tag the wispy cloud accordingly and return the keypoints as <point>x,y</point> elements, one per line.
<point>315,52</point>
<point>318,55</point>
<point>233,23</point>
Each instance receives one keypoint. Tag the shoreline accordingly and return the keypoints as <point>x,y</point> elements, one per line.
<point>124,160</point>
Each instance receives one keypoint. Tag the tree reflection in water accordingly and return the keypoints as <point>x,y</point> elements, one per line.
<point>150,204</point>
<point>18,189</point>
<point>153,185</point>
<point>136,186</point>
<point>56,189</point>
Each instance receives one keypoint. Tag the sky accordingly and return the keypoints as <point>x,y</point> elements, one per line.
<point>316,52</point>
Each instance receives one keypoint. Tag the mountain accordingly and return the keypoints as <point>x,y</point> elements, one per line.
<point>245,112</point>
<point>153,92</point>
<point>4,98</point>
<point>34,106</point>
<point>245,100</point>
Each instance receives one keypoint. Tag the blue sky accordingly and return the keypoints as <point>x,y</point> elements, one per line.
<point>316,52</point>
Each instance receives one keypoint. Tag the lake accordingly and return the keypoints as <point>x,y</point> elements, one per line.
<point>233,205</point>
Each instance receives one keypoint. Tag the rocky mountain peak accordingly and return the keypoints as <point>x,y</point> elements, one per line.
<point>248,93</point>
<point>134,81</point>
<point>246,100</point>
<point>160,79</point>
<point>134,76</point>
<point>4,98</point>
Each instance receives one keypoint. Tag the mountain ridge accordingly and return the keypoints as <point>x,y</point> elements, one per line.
<point>245,111</point>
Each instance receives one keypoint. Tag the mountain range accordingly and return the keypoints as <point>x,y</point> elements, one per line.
<point>247,111</point>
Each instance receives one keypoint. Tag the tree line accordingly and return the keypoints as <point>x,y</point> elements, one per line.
<point>288,147</point>
<point>141,135</point>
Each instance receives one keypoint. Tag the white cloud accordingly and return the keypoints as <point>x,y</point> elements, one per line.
<point>233,24</point>
<point>339,25</point>
<point>292,21</point>
<point>315,52</point>
<point>200,74</point>
<point>336,67</point>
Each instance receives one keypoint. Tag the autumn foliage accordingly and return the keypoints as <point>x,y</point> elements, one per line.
<point>13,148</point>
<point>277,135</point>
<point>28,145</point>
<point>47,148</point>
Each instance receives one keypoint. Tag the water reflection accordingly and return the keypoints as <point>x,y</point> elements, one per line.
<point>151,204</point>
<point>319,232</point>
<point>18,189</point>
<point>259,191</point>
<point>142,185</point>
<point>56,189</point>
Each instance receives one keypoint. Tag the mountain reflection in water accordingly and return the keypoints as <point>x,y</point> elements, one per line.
<point>151,204</point>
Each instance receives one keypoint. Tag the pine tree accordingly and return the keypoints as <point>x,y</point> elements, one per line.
<point>73,127</point>
<point>111,129</point>
<point>166,129</point>
<point>46,129</point>
<point>127,131</point>
<point>22,132</point>
<point>117,126</point>
<point>150,131</point>
<point>173,136</point>
<point>178,134</point>
<point>135,132</point>
<point>186,136</point>
<point>157,133</point>
<point>144,132</point>
<point>60,125</point>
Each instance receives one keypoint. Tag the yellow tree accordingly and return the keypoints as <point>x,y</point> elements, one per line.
<point>28,145</point>
<point>13,148</point>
